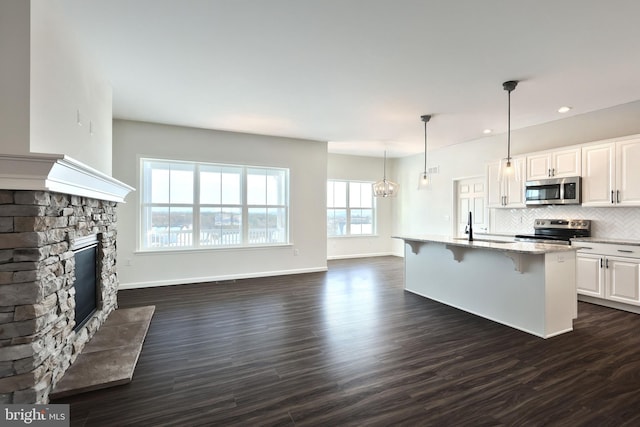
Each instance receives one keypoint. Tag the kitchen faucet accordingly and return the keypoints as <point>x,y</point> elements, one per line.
<point>469,228</point>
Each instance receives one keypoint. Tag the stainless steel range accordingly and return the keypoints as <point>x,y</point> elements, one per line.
<point>557,231</point>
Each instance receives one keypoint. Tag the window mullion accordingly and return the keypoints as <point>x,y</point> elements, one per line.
<point>196,207</point>
<point>348,207</point>
<point>245,207</point>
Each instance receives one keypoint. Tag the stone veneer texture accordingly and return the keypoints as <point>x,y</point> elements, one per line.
<point>37,341</point>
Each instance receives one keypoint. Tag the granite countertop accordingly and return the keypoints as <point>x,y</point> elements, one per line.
<point>607,240</point>
<point>497,245</point>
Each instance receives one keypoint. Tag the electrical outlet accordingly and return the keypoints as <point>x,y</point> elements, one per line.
<point>296,252</point>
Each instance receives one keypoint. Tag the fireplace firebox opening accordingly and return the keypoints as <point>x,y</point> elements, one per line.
<point>86,284</point>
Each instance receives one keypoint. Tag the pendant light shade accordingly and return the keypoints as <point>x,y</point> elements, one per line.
<point>424,179</point>
<point>507,170</point>
<point>385,188</point>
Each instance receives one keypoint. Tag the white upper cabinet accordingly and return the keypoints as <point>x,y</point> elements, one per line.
<point>628,172</point>
<point>554,164</point>
<point>610,174</point>
<point>506,193</point>
<point>597,174</point>
<point>610,171</point>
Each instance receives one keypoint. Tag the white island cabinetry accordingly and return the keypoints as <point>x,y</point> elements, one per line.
<point>527,286</point>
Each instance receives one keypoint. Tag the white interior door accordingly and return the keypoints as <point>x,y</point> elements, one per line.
<point>471,197</point>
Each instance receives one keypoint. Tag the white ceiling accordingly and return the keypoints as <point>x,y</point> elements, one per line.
<point>360,73</point>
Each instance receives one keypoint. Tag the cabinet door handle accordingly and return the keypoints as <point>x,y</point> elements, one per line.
<point>600,262</point>
<point>553,172</point>
<point>612,201</point>
<point>585,247</point>
<point>618,196</point>
<point>625,251</point>
<point>549,172</point>
<point>606,263</point>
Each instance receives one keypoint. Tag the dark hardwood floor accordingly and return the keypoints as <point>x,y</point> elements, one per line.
<point>350,347</point>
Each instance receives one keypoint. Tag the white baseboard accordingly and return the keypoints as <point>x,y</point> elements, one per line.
<point>190,280</point>
<point>611,304</point>
<point>332,257</point>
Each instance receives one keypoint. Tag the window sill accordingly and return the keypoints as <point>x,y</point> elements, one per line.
<point>174,251</point>
<point>353,236</point>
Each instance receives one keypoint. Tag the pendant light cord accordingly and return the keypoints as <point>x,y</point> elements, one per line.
<point>509,128</point>
<point>509,86</point>
<point>425,119</point>
<point>384,166</point>
<point>425,147</point>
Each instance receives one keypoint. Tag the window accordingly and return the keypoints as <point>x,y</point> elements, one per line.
<point>204,205</point>
<point>350,208</point>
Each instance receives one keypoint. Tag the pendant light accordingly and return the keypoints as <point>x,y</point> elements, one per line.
<point>423,180</point>
<point>507,170</point>
<point>385,188</point>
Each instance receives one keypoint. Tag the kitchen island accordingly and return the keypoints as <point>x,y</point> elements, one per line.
<point>527,286</point>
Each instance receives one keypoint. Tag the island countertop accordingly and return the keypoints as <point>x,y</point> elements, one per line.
<point>497,245</point>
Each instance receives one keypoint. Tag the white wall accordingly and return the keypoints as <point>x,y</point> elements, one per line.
<point>432,212</point>
<point>357,168</point>
<point>65,83</point>
<point>15,31</point>
<point>306,160</point>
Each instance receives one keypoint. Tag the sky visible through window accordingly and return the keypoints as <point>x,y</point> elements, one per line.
<point>196,204</point>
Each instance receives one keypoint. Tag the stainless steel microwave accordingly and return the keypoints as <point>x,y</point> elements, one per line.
<point>553,191</point>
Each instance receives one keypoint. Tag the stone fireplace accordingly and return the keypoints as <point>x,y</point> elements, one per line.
<point>50,206</point>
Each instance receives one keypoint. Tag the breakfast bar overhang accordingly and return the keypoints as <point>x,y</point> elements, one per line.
<point>527,286</point>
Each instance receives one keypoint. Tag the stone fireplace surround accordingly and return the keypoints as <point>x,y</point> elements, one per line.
<point>47,202</point>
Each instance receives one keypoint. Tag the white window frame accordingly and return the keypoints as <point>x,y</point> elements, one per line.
<point>244,239</point>
<point>349,209</point>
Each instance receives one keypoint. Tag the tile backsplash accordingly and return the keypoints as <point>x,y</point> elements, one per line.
<point>614,223</point>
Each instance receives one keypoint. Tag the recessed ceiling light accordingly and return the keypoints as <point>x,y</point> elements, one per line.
<point>487,131</point>
<point>564,109</point>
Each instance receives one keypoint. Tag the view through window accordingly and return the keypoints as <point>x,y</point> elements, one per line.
<point>350,208</point>
<point>203,205</point>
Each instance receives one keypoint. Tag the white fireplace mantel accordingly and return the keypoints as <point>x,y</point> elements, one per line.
<point>61,174</point>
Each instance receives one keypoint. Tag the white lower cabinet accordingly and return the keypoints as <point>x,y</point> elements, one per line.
<point>590,275</point>
<point>623,280</point>
<point>609,271</point>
